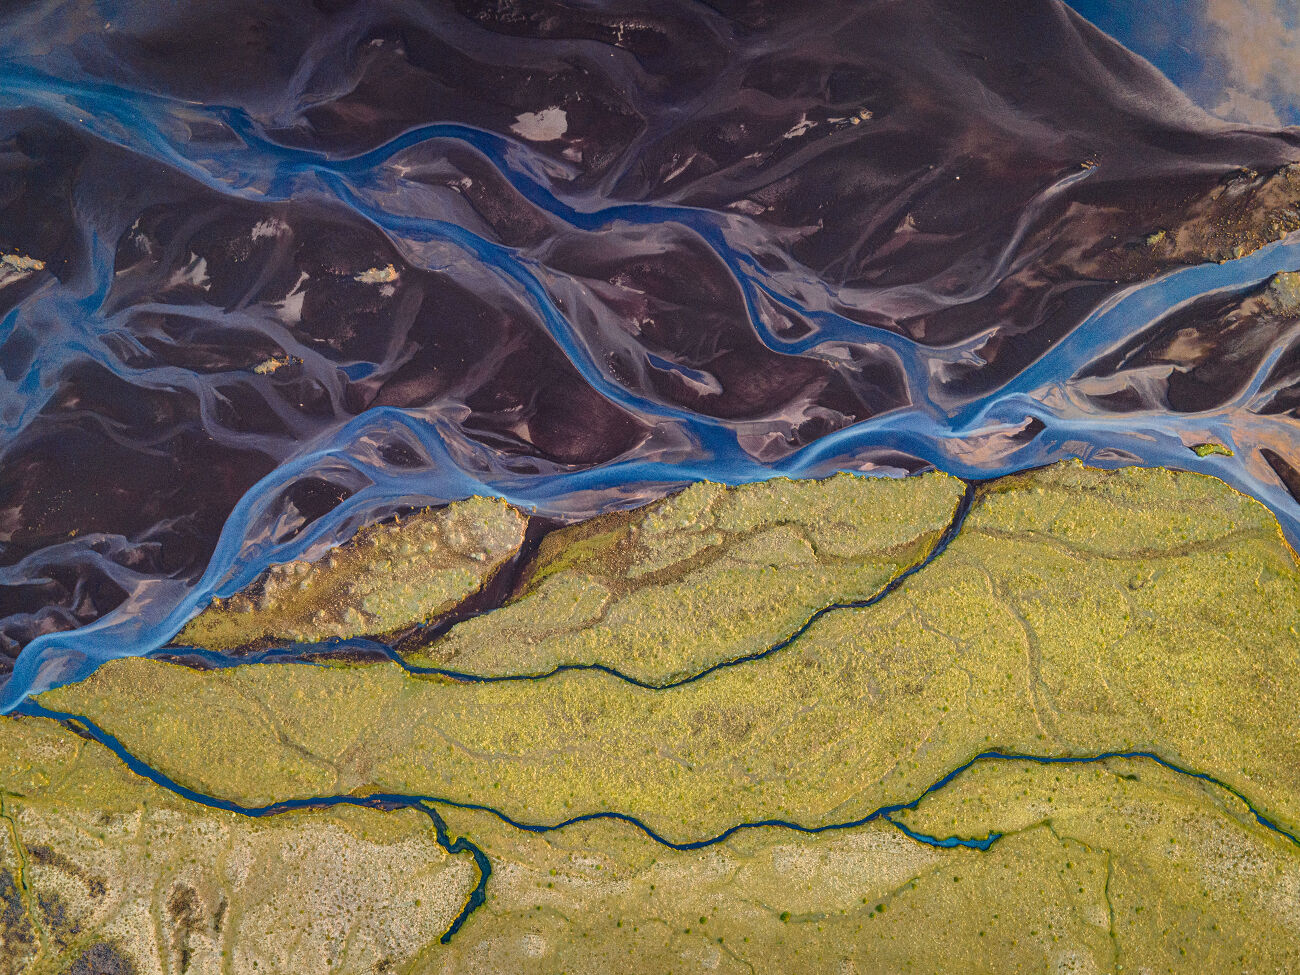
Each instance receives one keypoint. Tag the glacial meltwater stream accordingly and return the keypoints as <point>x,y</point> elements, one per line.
<point>243,312</point>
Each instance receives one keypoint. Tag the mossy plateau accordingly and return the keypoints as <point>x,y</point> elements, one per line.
<point>104,872</point>
<point>385,578</point>
<point>1078,611</point>
<point>1113,866</point>
<point>1193,883</point>
<point>1120,866</point>
<point>708,575</point>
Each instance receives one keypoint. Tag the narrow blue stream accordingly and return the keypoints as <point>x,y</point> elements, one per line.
<point>428,804</point>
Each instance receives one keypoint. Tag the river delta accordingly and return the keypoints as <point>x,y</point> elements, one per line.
<point>539,486</point>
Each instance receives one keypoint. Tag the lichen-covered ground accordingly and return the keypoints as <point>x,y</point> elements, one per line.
<point>1129,638</point>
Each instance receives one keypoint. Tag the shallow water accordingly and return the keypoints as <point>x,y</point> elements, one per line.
<point>357,258</point>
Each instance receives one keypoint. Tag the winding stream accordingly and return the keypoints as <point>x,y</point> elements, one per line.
<point>974,442</point>
<point>294,652</point>
<point>1034,418</point>
<point>428,804</point>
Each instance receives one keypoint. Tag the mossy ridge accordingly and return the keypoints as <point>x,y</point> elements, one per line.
<point>385,578</point>
<point>1125,513</point>
<point>1035,633</point>
<point>110,870</point>
<point>708,575</point>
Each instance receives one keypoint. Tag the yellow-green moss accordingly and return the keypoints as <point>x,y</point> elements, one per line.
<point>385,578</point>
<point>1211,449</point>
<point>1194,883</point>
<point>1117,867</point>
<point>1078,611</point>
<point>601,898</point>
<point>1100,870</point>
<point>1106,867</point>
<point>707,575</point>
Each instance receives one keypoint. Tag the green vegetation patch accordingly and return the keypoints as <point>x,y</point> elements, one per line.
<point>707,575</point>
<point>1211,449</point>
<point>1078,611</point>
<point>385,578</point>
